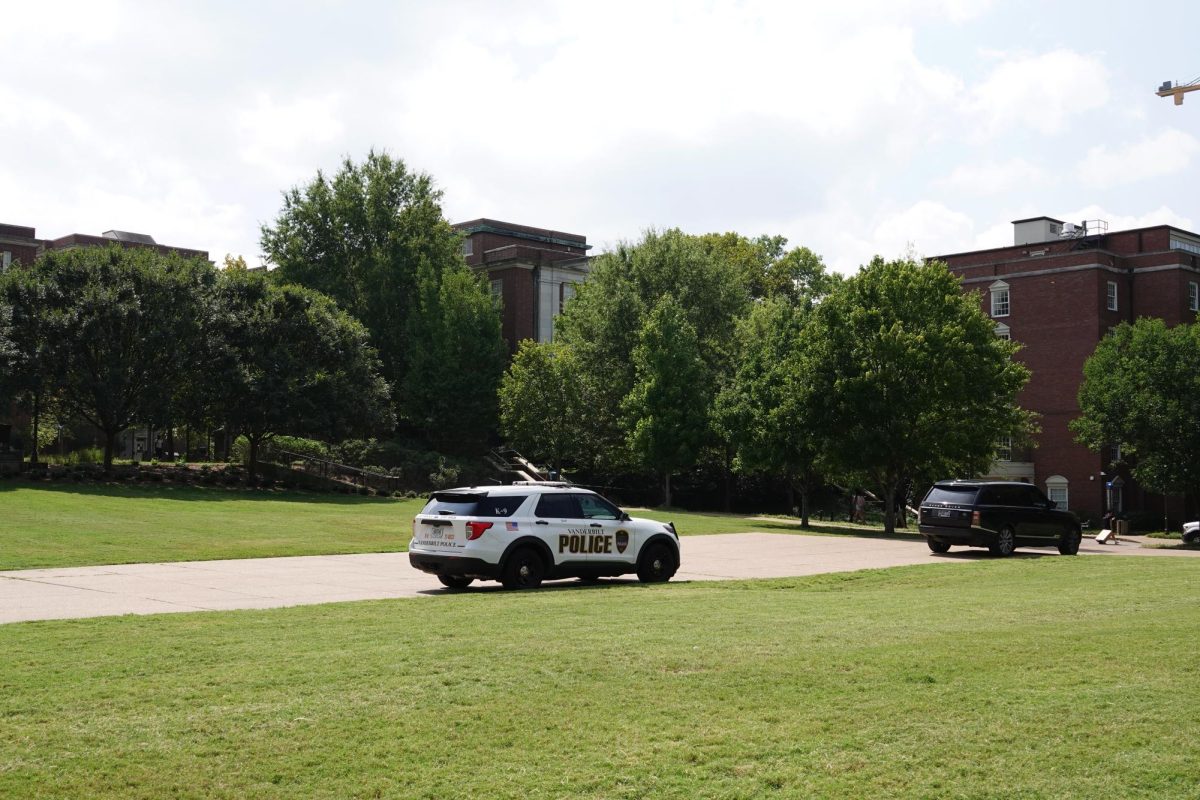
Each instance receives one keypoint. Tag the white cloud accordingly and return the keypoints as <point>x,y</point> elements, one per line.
<point>1038,92</point>
<point>991,178</point>
<point>1163,215</point>
<point>1166,153</point>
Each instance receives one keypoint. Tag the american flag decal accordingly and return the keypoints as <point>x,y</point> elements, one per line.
<point>511,526</point>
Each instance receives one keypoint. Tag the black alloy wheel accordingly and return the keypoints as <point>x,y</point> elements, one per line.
<point>657,564</point>
<point>1068,545</point>
<point>523,570</point>
<point>1006,542</point>
<point>937,546</point>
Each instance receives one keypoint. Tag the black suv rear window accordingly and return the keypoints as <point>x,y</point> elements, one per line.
<point>957,495</point>
<point>463,504</point>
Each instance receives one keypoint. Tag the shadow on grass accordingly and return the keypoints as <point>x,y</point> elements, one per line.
<point>158,491</point>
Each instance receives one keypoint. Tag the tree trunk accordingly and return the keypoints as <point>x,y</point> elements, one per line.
<point>804,506</point>
<point>791,496</point>
<point>37,416</point>
<point>170,455</point>
<point>666,489</point>
<point>727,480</point>
<point>252,467</point>
<point>110,439</point>
<point>889,507</point>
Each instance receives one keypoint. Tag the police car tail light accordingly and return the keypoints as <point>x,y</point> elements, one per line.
<point>476,529</point>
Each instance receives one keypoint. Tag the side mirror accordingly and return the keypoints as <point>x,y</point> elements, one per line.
<point>625,517</point>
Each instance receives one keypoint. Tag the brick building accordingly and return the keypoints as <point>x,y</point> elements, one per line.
<point>1057,290</point>
<point>533,271</point>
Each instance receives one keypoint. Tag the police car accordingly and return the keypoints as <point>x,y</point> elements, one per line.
<point>528,532</point>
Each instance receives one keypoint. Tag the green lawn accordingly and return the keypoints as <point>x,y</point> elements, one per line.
<point>58,526</point>
<point>1031,678</point>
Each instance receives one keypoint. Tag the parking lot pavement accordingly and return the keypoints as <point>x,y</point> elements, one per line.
<point>66,593</point>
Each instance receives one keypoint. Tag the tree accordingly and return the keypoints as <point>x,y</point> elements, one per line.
<point>113,325</point>
<point>456,359</point>
<point>542,400</point>
<point>33,308</point>
<point>766,410</point>
<point>365,237</point>
<point>604,324</point>
<point>909,378</point>
<point>293,363</point>
<point>667,409</point>
<point>1141,390</point>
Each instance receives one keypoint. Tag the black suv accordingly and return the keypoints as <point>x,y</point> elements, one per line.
<point>998,515</point>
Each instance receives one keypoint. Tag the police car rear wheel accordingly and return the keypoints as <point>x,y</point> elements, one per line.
<point>455,581</point>
<point>523,570</point>
<point>657,564</point>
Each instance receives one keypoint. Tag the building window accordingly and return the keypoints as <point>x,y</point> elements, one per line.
<point>1004,449</point>
<point>6,260</point>
<point>1185,245</point>
<point>565,292</point>
<point>1193,295</point>
<point>1003,331</point>
<point>1000,304</point>
<point>1056,490</point>
<point>1112,295</point>
<point>498,289</point>
<point>468,247</point>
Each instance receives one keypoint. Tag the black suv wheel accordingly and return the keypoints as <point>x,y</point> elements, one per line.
<point>937,546</point>
<point>1006,542</point>
<point>523,570</point>
<point>1068,545</point>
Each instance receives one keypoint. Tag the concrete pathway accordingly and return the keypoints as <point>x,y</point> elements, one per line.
<point>71,592</point>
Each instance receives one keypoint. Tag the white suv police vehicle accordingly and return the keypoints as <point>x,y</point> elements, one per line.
<point>529,532</point>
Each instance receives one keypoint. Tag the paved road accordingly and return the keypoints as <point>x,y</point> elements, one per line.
<point>275,582</point>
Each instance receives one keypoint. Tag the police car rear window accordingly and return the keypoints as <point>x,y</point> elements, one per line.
<point>462,504</point>
<point>958,495</point>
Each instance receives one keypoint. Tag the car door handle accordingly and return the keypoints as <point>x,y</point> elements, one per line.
<point>541,522</point>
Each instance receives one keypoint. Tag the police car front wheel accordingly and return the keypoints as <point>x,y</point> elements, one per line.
<point>657,564</point>
<point>523,570</point>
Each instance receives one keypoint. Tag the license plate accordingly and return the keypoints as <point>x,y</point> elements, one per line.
<point>941,512</point>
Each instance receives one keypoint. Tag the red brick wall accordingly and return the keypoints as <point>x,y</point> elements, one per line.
<point>518,299</point>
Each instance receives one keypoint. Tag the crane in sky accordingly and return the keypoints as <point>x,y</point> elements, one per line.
<point>1178,90</point>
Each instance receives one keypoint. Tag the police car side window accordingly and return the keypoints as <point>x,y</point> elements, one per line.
<point>597,507</point>
<point>501,506</point>
<point>558,506</point>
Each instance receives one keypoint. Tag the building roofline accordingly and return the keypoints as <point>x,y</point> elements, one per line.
<point>1033,245</point>
<point>1035,219</point>
<point>543,235</point>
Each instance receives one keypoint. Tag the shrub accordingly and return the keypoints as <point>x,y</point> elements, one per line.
<point>445,476</point>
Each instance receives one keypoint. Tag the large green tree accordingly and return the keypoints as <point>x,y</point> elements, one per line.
<point>372,237</point>
<point>767,408</point>
<point>909,378</point>
<point>604,324</point>
<point>34,362</point>
<point>1141,390</point>
<point>542,400</point>
<point>456,358</point>
<point>120,321</point>
<point>291,362</point>
<point>667,409</point>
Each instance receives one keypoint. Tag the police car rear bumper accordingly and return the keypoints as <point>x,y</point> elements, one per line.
<point>453,565</point>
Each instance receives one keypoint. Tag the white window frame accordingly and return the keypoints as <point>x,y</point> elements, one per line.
<point>1058,489</point>
<point>1113,304</point>
<point>1004,448</point>
<point>1193,296</point>
<point>1003,332</point>
<point>1001,299</point>
<point>497,285</point>
<point>6,260</point>
<point>468,246</point>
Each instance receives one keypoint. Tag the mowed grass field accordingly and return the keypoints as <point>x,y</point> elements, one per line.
<point>59,526</point>
<point>71,526</point>
<point>1033,678</point>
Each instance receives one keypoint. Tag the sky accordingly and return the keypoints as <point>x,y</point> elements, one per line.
<point>852,128</point>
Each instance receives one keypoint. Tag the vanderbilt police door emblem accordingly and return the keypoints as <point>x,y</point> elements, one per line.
<point>622,541</point>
